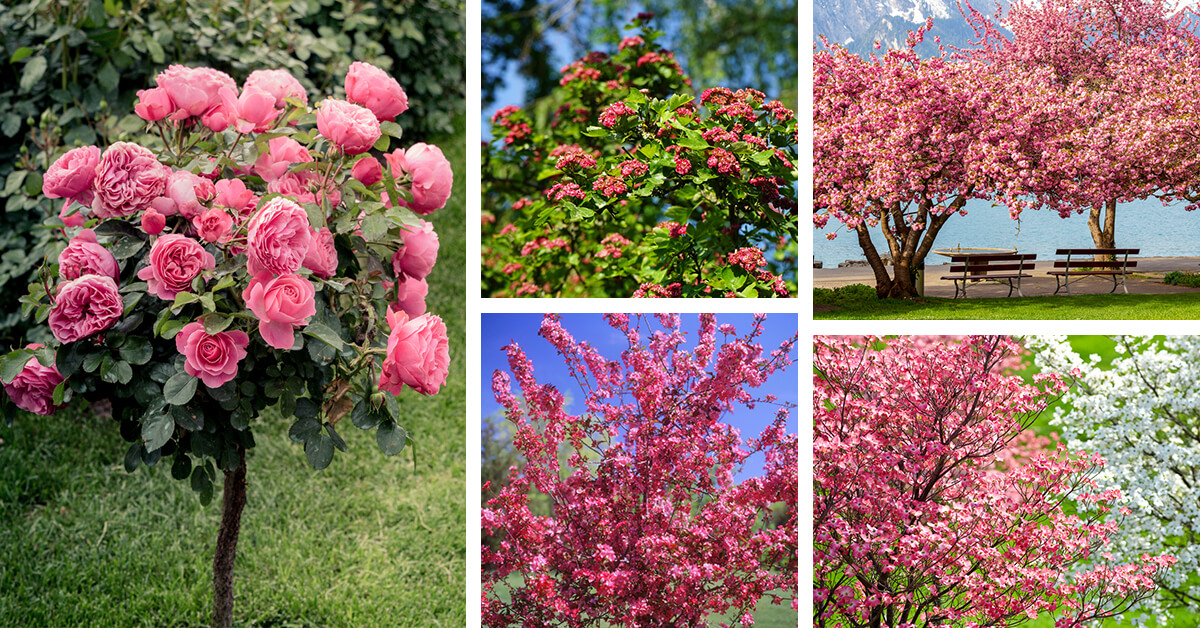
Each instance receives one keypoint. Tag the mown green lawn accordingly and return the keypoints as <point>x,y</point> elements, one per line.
<point>766,614</point>
<point>370,541</point>
<point>1089,306</point>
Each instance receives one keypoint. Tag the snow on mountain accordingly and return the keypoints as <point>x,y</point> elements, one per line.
<point>860,23</point>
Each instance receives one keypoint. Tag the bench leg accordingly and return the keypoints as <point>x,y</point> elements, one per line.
<point>1114,288</point>
<point>1010,287</point>
<point>1058,284</point>
<point>962,289</point>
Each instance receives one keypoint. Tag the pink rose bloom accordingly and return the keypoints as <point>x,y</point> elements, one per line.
<point>213,225</point>
<point>33,388</point>
<point>418,251</point>
<point>351,128</point>
<point>153,222</point>
<point>219,118</point>
<point>372,88</point>
<point>84,256</point>
<point>213,358</point>
<point>232,193</point>
<point>281,153</point>
<point>71,175</point>
<point>279,236</point>
<point>418,354</point>
<point>299,187</point>
<point>84,307</point>
<point>410,297</point>
<point>183,194</point>
<point>279,83</point>
<point>281,304</point>
<point>254,110</point>
<point>367,170</point>
<point>195,91</point>
<point>175,260</point>
<point>153,104</point>
<point>128,179</point>
<point>431,175</point>
<point>322,258</point>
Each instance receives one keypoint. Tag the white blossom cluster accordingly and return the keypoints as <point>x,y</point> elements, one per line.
<point>1143,416</point>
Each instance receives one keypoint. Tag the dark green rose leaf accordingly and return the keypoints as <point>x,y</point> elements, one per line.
<point>391,438</point>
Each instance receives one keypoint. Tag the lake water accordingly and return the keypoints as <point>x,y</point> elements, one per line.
<point>1158,231</point>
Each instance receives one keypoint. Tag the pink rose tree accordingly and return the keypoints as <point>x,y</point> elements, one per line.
<point>932,504</point>
<point>239,259</point>
<point>636,186</point>
<point>649,526</point>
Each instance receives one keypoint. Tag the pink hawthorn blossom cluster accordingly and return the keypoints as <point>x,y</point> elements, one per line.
<point>649,526</point>
<point>930,508</point>
<point>614,112</point>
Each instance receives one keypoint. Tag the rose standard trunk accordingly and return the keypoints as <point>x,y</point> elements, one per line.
<point>233,500</point>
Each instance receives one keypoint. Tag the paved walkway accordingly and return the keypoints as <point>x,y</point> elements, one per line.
<point>1147,279</point>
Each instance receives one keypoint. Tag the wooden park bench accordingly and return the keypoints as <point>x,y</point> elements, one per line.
<point>1007,268</point>
<point>1082,263</point>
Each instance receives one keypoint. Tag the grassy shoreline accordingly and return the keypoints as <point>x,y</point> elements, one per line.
<point>858,302</point>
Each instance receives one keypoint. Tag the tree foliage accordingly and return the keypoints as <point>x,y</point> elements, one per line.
<point>618,167</point>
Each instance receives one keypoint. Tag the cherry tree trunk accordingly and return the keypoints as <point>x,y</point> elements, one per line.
<point>1103,236</point>
<point>233,500</point>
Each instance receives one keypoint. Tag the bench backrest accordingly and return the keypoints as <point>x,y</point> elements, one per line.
<point>1084,258</point>
<point>992,262</point>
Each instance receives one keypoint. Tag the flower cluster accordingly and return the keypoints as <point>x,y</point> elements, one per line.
<point>650,524</point>
<point>1137,412</point>
<point>234,258</point>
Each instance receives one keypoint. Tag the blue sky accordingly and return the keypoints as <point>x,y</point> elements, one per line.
<point>499,329</point>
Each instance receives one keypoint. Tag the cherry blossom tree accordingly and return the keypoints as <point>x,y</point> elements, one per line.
<point>1132,67</point>
<point>922,515</point>
<point>902,143</point>
<point>1141,414</point>
<point>649,527</point>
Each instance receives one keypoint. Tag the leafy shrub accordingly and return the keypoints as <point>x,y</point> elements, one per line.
<point>73,63</point>
<point>845,296</point>
<point>1182,278</point>
<point>621,184</point>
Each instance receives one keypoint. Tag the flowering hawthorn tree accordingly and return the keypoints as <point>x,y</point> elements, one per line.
<point>1140,414</point>
<point>902,143</point>
<point>922,514</point>
<point>629,169</point>
<point>255,254</point>
<point>649,527</point>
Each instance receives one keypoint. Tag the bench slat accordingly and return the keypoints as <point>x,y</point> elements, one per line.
<point>1097,251</point>
<point>1002,257</point>
<point>1014,276</point>
<point>1080,273</point>
<point>1093,264</point>
<point>988,268</point>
